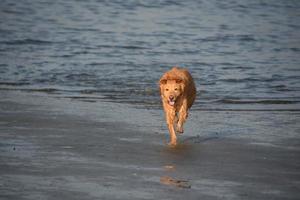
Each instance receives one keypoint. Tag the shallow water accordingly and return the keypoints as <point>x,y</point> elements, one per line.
<point>243,55</point>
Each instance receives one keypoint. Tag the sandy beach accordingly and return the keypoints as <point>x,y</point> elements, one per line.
<point>59,148</point>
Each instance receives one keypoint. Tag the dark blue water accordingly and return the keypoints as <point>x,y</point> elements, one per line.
<point>242,54</point>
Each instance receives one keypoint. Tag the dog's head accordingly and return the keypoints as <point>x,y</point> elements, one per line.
<point>171,90</point>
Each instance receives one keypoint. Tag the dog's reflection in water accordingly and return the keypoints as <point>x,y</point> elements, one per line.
<point>177,154</point>
<point>166,180</point>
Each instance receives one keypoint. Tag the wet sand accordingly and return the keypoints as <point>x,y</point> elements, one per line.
<point>52,148</point>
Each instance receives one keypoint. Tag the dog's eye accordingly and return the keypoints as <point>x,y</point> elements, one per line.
<point>167,89</point>
<point>176,89</point>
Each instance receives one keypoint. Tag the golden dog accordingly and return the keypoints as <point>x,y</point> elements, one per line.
<point>178,92</point>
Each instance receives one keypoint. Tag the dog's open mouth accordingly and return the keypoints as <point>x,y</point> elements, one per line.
<point>171,102</point>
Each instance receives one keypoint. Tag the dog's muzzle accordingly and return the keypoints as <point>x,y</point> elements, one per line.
<point>171,100</point>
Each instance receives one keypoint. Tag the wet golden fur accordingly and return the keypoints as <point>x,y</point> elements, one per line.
<point>178,92</point>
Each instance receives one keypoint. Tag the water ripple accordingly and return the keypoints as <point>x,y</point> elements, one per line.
<point>242,54</point>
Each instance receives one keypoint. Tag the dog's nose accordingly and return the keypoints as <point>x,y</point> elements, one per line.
<point>171,97</point>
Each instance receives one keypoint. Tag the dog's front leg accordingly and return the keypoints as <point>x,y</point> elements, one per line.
<point>170,122</point>
<point>170,117</point>
<point>183,113</point>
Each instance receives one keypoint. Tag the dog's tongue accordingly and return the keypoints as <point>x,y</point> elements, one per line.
<point>172,103</point>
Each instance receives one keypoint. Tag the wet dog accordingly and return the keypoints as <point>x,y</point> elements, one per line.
<point>178,92</point>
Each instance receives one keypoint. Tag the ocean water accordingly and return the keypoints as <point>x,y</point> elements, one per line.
<point>244,55</point>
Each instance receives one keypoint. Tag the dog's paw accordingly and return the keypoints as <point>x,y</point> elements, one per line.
<point>179,129</point>
<point>172,143</point>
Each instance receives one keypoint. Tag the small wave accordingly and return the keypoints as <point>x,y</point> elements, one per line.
<point>27,42</point>
<point>226,63</point>
<point>242,80</point>
<point>243,38</point>
<point>14,83</point>
<point>227,67</point>
<point>293,49</point>
<point>97,64</point>
<point>15,12</point>
<point>282,88</point>
<point>246,110</point>
<point>84,98</point>
<point>265,101</point>
<point>4,31</point>
<point>83,29</point>
<point>47,90</point>
<point>79,77</point>
<point>197,63</point>
<point>122,46</point>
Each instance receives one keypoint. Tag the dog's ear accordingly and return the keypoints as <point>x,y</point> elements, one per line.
<point>179,81</point>
<point>163,81</point>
